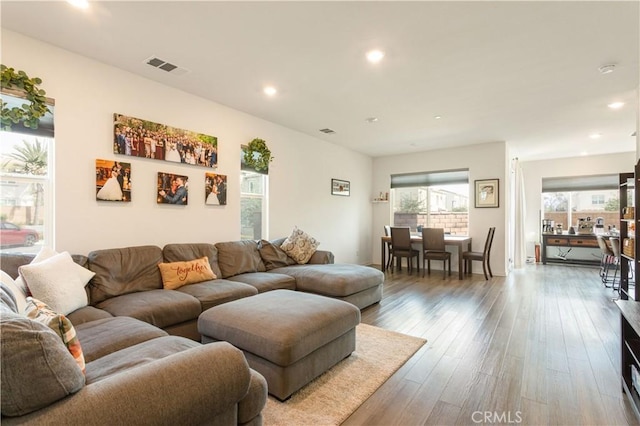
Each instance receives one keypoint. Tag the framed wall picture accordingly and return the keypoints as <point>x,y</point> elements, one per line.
<point>172,189</point>
<point>215,189</point>
<point>487,193</point>
<point>113,181</point>
<point>340,187</point>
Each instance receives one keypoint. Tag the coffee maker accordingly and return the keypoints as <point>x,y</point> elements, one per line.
<point>548,226</point>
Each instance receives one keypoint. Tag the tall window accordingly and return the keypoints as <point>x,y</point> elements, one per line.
<point>432,199</point>
<point>567,199</point>
<point>253,205</point>
<point>26,208</point>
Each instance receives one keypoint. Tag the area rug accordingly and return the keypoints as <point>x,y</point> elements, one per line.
<point>333,396</point>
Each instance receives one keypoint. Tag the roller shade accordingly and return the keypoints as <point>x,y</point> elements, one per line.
<point>444,177</point>
<point>580,183</point>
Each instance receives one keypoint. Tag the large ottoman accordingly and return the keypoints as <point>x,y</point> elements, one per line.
<point>289,337</point>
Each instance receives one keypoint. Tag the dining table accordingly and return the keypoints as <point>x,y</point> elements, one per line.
<point>462,242</point>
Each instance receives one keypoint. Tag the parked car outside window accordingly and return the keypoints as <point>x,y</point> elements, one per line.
<point>14,235</point>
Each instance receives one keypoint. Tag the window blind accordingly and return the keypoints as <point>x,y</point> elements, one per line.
<point>580,183</point>
<point>444,177</point>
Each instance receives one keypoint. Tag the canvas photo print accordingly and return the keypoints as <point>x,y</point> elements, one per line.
<point>146,139</point>
<point>215,189</point>
<point>172,189</point>
<point>113,180</point>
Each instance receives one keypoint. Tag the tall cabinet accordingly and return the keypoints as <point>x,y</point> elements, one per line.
<point>629,308</point>
<point>629,257</point>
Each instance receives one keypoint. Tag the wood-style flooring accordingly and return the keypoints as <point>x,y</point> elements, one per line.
<point>540,347</point>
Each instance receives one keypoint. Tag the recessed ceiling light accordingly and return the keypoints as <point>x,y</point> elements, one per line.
<point>584,153</point>
<point>595,135</point>
<point>371,120</point>
<point>375,56</point>
<point>80,4</point>
<point>607,69</point>
<point>270,91</point>
<point>616,105</point>
<point>437,117</point>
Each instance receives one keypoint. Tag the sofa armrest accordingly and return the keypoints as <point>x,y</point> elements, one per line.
<point>189,387</point>
<point>321,257</point>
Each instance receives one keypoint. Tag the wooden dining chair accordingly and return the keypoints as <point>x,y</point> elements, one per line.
<point>433,248</point>
<point>481,256</point>
<point>401,247</point>
<point>387,233</point>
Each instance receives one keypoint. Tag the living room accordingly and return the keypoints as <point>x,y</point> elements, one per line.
<point>87,92</point>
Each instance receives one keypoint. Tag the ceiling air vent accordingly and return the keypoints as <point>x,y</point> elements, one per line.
<point>327,131</point>
<point>166,66</point>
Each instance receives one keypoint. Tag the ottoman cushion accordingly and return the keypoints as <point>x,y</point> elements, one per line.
<point>335,280</point>
<point>281,326</point>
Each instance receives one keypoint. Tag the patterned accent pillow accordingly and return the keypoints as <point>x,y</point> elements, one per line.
<point>177,274</point>
<point>300,246</point>
<point>40,312</point>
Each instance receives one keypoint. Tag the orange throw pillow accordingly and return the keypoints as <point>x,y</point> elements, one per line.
<point>177,274</point>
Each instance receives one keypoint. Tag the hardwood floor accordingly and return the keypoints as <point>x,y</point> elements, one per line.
<point>539,347</point>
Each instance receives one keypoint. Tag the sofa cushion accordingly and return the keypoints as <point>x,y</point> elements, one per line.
<point>177,274</point>
<point>58,281</point>
<point>300,246</point>
<point>105,336</point>
<point>161,308</point>
<point>239,257</point>
<point>217,292</point>
<point>334,280</point>
<point>87,314</point>
<point>124,270</point>
<point>37,369</point>
<point>40,312</point>
<point>264,281</point>
<point>137,355</point>
<point>185,251</point>
<point>273,256</point>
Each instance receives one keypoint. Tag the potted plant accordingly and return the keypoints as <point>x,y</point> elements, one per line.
<point>257,155</point>
<point>20,83</point>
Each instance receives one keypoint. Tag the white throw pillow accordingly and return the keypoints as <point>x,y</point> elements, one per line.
<point>44,254</point>
<point>21,298</point>
<point>300,246</point>
<point>59,282</point>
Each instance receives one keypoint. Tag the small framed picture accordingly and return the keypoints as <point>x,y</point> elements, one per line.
<point>113,181</point>
<point>172,189</point>
<point>215,189</point>
<point>340,187</point>
<point>487,193</point>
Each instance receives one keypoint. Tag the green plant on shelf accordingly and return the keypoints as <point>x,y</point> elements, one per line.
<point>29,113</point>
<point>257,155</point>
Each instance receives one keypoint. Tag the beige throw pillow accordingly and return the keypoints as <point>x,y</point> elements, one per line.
<point>177,274</point>
<point>300,246</point>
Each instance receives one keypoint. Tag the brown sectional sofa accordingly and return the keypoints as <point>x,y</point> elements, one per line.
<point>131,316</point>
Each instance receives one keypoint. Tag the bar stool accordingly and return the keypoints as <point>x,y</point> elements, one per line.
<point>607,260</point>
<point>615,248</point>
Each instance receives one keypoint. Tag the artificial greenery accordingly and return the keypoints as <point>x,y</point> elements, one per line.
<point>30,113</point>
<point>257,155</point>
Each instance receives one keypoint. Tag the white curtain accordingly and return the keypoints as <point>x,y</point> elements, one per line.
<point>519,255</point>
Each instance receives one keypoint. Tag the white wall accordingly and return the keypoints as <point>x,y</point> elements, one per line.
<point>485,161</point>
<point>534,171</point>
<point>87,93</point>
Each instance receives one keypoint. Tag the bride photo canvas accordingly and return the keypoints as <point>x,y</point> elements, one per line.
<point>215,189</point>
<point>113,181</point>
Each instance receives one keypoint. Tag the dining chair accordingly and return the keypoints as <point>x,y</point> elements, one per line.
<point>401,247</point>
<point>433,248</point>
<point>615,248</point>
<point>607,260</point>
<point>482,256</point>
<point>387,233</point>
